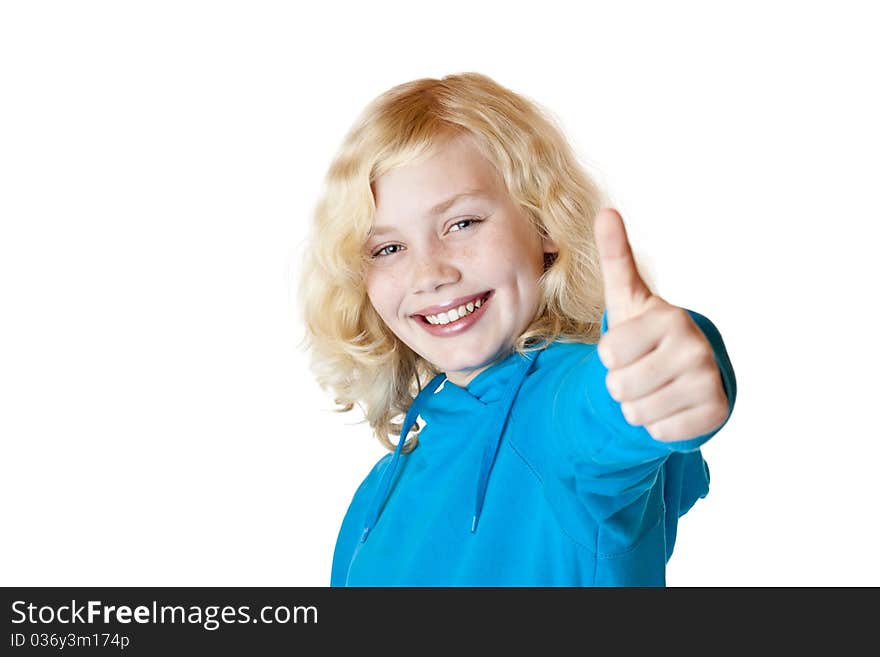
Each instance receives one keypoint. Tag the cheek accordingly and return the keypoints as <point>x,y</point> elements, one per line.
<point>383,294</point>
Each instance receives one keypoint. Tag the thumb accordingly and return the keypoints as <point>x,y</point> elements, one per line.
<point>626,293</point>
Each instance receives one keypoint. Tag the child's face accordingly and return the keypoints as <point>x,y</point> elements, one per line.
<point>428,259</point>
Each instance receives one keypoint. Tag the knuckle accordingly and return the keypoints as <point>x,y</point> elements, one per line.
<point>677,317</point>
<point>682,431</point>
<point>699,357</point>
<point>606,353</point>
<point>709,383</point>
<point>630,413</point>
<point>721,412</point>
<point>613,385</point>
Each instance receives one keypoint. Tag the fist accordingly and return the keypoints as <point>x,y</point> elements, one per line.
<point>661,367</point>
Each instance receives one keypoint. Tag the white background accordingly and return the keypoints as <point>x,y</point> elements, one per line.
<point>159,162</point>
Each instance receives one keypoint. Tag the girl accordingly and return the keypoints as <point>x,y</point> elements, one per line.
<point>461,272</point>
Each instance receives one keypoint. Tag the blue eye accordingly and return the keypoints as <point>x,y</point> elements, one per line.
<point>458,226</point>
<point>377,253</point>
<point>467,221</point>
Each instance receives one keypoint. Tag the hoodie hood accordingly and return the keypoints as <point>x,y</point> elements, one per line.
<point>496,385</point>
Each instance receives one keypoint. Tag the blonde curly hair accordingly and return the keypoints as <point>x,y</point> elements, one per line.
<point>353,353</point>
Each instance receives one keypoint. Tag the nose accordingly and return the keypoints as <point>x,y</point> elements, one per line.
<point>433,269</point>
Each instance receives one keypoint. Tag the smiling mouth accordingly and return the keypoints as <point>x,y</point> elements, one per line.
<point>453,315</point>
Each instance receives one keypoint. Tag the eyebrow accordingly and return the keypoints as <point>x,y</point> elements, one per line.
<point>439,208</point>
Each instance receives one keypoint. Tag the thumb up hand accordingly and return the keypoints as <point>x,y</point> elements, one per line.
<point>660,365</point>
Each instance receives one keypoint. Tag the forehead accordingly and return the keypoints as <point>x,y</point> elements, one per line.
<point>452,168</point>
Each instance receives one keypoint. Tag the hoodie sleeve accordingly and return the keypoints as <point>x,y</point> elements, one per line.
<point>613,455</point>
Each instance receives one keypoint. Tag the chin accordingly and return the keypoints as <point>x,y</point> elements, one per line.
<point>471,360</point>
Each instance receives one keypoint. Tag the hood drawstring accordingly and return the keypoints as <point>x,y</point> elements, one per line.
<point>524,365</point>
<point>391,468</point>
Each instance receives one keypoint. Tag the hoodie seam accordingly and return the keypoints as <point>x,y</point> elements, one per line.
<point>599,525</point>
<point>622,553</point>
<point>541,482</point>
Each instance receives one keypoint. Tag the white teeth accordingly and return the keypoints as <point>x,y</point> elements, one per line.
<point>454,314</point>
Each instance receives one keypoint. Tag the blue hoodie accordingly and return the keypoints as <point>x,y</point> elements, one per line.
<point>529,476</point>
